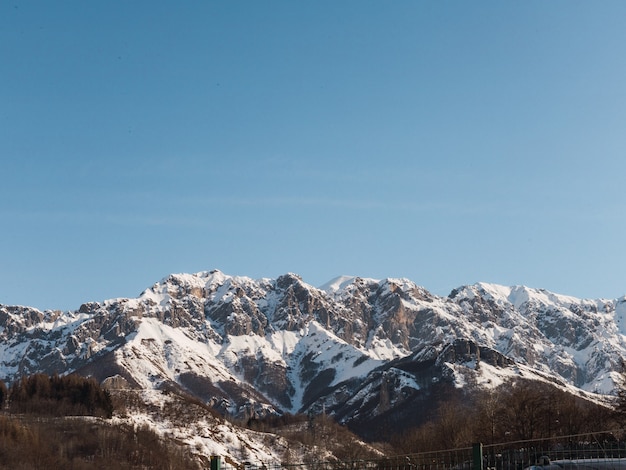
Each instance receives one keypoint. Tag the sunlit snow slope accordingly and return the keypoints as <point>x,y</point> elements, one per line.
<point>355,346</point>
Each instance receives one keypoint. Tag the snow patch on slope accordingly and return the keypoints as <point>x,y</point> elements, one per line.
<point>337,284</point>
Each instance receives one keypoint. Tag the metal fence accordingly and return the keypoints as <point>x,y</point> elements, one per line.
<point>595,449</point>
<point>598,451</point>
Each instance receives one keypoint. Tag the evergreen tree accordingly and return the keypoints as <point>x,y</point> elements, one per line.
<point>620,404</point>
<point>4,392</point>
<point>68,395</point>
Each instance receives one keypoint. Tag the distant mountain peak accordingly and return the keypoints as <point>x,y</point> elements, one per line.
<point>336,284</point>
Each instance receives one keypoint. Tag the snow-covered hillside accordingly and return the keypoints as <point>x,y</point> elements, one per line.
<point>357,348</point>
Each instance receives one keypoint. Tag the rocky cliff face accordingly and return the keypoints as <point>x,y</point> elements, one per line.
<point>359,347</point>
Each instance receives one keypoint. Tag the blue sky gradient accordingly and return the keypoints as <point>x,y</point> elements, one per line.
<point>448,142</point>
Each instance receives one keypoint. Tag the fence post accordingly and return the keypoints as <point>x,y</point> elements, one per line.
<point>477,457</point>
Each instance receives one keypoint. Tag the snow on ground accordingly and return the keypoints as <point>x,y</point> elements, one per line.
<point>335,353</point>
<point>620,315</point>
<point>405,379</point>
<point>203,432</point>
<point>518,295</point>
<point>316,344</point>
<point>382,349</point>
<point>156,349</point>
<point>283,342</point>
<point>337,284</point>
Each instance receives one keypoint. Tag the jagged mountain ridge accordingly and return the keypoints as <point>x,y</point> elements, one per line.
<point>361,349</point>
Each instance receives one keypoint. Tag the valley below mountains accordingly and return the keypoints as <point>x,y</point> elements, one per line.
<point>374,355</point>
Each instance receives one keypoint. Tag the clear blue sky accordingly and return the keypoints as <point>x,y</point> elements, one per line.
<point>449,142</point>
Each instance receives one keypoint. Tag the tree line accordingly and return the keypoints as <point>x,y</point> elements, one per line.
<point>515,411</point>
<point>56,396</point>
<point>58,442</point>
<point>30,442</point>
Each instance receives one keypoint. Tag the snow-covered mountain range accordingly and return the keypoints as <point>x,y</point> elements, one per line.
<point>366,351</point>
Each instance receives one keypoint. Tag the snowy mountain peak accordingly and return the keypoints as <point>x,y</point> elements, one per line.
<point>264,346</point>
<point>337,284</point>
